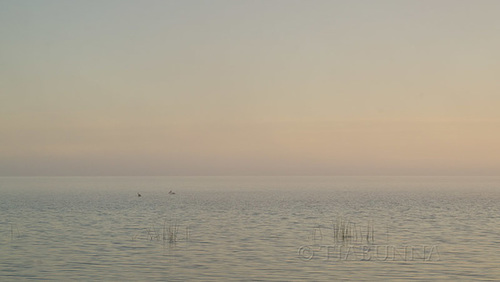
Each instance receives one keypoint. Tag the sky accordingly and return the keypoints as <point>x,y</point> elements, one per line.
<point>132,88</point>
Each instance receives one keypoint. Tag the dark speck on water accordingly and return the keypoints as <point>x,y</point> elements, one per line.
<point>250,228</point>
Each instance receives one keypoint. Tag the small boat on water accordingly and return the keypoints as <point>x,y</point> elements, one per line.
<point>138,194</point>
<point>171,192</point>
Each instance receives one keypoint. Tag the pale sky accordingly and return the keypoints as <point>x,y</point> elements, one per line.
<point>249,87</point>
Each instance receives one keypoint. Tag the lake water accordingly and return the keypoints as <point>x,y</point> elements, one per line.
<point>250,228</point>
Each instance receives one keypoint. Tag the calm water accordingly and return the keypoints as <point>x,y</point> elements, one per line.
<point>249,228</point>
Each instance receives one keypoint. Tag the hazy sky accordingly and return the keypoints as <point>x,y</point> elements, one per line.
<point>249,87</point>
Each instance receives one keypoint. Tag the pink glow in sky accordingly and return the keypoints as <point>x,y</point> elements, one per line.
<point>249,87</point>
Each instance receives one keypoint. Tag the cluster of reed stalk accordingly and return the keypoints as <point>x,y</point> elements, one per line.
<point>345,231</point>
<point>14,231</point>
<point>167,233</point>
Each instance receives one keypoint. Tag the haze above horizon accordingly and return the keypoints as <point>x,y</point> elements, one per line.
<point>97,88</point>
